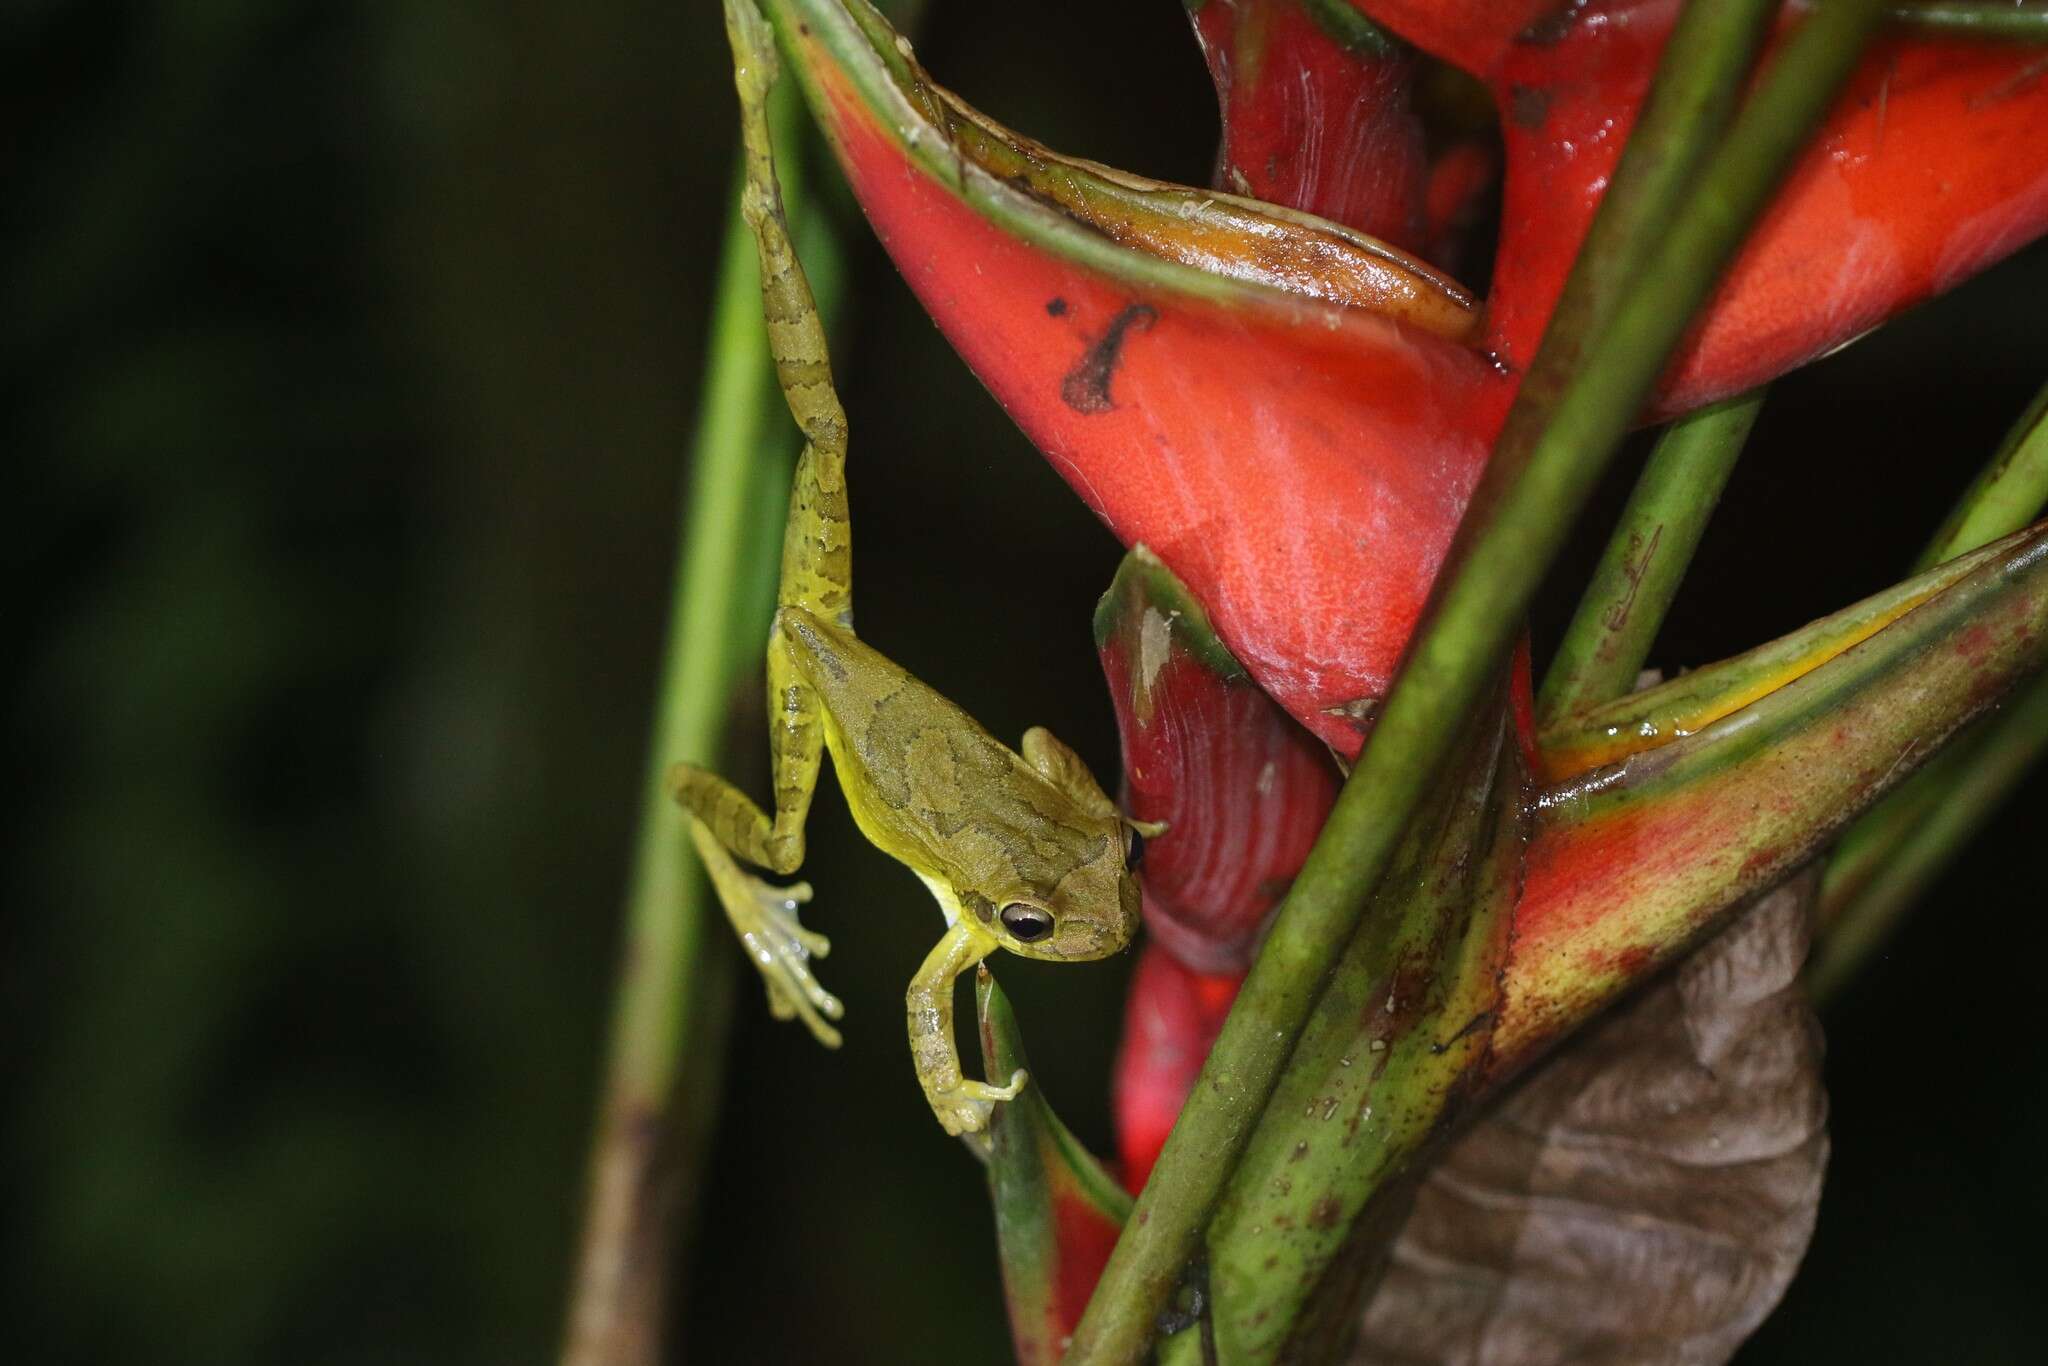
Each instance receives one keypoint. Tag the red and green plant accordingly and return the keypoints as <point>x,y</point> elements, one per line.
<point>1402,887</point>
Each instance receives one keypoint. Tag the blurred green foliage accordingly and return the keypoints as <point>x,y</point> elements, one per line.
<point>350,352</point>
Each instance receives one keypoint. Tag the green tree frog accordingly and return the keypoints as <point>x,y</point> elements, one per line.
<point>1023,850</point>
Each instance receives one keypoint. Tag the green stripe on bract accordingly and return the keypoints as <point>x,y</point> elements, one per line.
<point>1351,30</point>
<point>1756,794</point>
<point>1143,582</point>
<point>876,60</point>
<point>1689,703</point>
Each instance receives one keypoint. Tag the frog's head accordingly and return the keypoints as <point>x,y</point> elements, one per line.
<point>1086,909</point>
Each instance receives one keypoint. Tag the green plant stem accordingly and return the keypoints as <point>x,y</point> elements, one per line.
<point>2007,495</point>
<point>2028,23</point>
<point>1887,858</point>
<point>1610,635</point>
<point>663,1073</point>
<point>1949,800</point>
<point>1542,470</point>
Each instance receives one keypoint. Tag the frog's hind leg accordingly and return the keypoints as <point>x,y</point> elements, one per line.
<point>725,822</point>
<point>817,576</point>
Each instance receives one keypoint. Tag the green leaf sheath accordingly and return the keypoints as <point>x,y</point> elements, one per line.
<point>662,1076</point>
<point>1617,620</point>
<point>1556,442</point>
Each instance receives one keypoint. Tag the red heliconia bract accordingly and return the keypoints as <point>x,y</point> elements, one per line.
<point>1171,1017</point>
<point>1930,166</point>
<point>1314,122</point>
<point>1242,791</point>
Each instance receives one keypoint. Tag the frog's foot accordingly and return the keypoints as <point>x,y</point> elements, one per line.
<point>964,1108</point>
<point>765,918</point>
<point>781,948</point>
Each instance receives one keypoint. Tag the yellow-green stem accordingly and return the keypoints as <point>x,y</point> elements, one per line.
<point>664,1068</point>
<point>2005,496</point>
<point>1610,635</point>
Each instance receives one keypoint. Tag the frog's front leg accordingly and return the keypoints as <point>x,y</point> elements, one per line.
<point>962,1105</point>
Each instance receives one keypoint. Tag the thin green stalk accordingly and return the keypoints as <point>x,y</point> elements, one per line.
<point>1963,788</point>
<point>1624,605</point>
<point>2006,496</point>
<point>1551,453</point>
<point>1887,857</point>
<point>2027,23</point>
<point>662,1077</point>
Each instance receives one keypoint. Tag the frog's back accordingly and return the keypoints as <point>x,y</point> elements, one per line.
<point>913,765</point>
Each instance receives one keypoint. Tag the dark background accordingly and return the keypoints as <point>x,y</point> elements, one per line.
<point>350,352</point>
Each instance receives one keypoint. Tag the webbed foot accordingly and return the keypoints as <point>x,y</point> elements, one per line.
<point>965,1107</point>
<point>765,918</point>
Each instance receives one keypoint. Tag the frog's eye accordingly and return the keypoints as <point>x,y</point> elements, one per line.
<point>1027,922</point>
<point>1134,850</point>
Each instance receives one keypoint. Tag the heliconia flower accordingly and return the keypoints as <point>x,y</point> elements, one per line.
<point>1171,1018</point>
<point>1307,496</point>
<point>1285,417</point>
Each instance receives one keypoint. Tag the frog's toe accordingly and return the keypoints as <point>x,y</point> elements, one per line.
<point>1017,1080</point>
<point>780,905</point>
<point>966,1107</point>
<point>775,941</point>
<point>793,993</point>
<point>963,1116</point>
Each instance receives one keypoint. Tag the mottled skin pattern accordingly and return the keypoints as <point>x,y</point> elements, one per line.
<point>1023,851</point>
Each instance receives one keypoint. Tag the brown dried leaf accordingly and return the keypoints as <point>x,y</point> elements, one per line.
<point>1643,1196</point>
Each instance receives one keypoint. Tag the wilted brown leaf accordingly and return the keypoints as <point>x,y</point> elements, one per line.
<point>1646,1194</point>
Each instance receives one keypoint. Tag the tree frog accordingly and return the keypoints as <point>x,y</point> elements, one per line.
<point>1023,850</point>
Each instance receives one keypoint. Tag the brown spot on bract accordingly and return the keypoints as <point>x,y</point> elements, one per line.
<point>1086,387</point>
<point>1528,106</point>
<point>1551,28</point>
<point>1324,1213</point>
